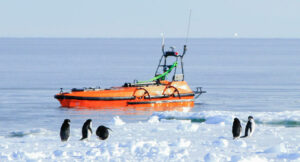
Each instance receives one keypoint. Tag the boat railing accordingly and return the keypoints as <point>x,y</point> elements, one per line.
<point>198,92</point>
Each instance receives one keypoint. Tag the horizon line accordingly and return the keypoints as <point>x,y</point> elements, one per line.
<point>45,37</point>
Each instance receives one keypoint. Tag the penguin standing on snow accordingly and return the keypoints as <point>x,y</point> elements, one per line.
<point>250,127</point>
<point>86,129</point>
<point>236,128</point>
<point>65,130</point>
<point>102,132</point>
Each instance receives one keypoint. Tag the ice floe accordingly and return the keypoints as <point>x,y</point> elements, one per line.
<point>285,118</point>
<point>160,138</point>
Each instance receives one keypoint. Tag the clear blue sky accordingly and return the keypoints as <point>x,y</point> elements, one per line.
<point>149,18</point>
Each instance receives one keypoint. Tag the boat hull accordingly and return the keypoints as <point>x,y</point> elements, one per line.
<point>173,94</point>
<point>75,103</point>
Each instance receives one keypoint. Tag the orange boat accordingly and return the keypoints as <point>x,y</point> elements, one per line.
<point>156,92</point>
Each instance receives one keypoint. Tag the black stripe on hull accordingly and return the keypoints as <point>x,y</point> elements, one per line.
<point>117,98</point>
<point>93,98</point>
<point>164,101</point>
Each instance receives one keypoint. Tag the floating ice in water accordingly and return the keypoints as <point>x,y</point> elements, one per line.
<point>285,118</point>
<point>118,121</point>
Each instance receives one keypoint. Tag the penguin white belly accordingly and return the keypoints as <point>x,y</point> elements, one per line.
<point>89,134</point>
<point>253,127</point>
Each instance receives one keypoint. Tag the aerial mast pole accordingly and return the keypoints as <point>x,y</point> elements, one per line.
<point>186,40</point>
<point>163,51</point>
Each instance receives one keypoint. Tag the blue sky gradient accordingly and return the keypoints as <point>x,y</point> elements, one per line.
<point>149,18</point>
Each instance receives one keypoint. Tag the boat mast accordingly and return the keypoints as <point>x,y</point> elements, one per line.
<point>164,66</point>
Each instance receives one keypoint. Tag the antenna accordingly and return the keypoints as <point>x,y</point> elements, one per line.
<point>188,27</point>
<point>163,42</point>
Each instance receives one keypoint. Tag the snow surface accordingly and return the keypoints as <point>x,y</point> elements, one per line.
<point>159,139</point>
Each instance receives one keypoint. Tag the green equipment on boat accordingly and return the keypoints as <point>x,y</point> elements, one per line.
<point>161,76</point>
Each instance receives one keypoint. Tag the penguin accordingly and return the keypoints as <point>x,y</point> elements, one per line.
<point>236,128</point>
<point>65,130</point>
<point>102,132</point>
<point>86,129</point>
<point>250,127</point>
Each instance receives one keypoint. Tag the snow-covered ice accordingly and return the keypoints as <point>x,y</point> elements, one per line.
<point>159,140</point>
<point>118,121</point>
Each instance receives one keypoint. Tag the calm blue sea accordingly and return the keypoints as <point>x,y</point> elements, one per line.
<point>238,75</point>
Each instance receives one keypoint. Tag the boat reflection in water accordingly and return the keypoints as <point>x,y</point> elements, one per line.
<point>134,110</point>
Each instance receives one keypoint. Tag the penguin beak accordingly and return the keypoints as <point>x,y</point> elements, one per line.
<point>109,128</point>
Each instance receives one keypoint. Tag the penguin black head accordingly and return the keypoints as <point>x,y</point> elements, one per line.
<point>67,121</point>
<point>102,132</point>
<point>87,122</point>
<point>236,120</point>
<point>250,117</point>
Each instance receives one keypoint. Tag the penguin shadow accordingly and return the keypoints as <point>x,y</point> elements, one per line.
<point>102,131</point>
<point>237,128</point>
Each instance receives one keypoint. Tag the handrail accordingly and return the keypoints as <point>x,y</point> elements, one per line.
<point>143,96</point>
<point>161,75</point>
<point>175,90</point>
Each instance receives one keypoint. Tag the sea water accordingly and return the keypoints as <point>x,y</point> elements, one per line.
<point>242,77</point>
